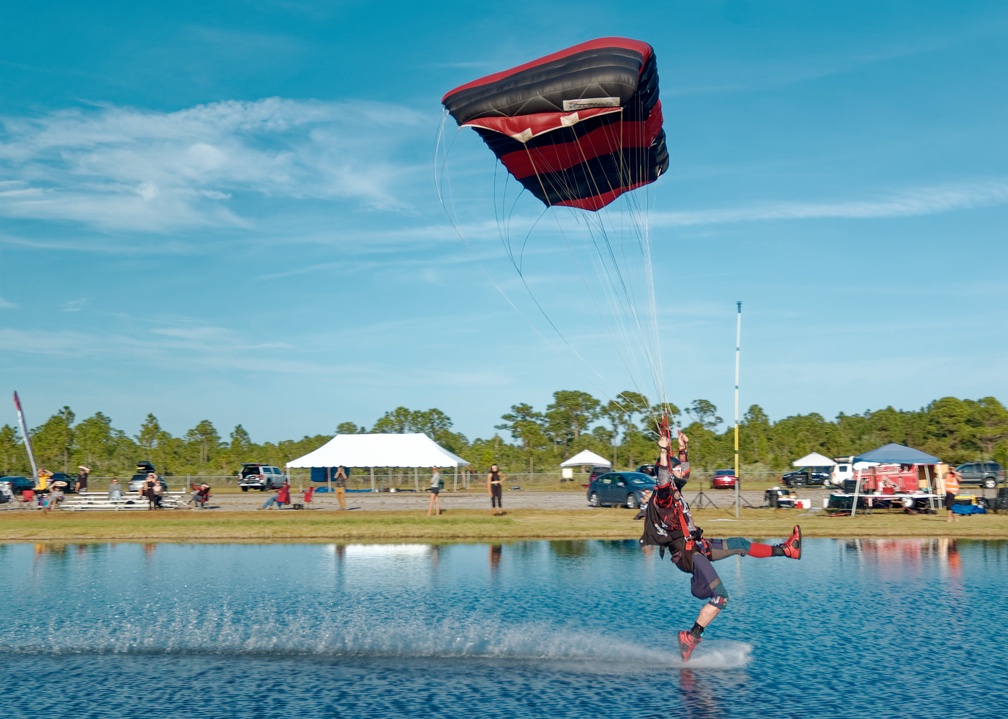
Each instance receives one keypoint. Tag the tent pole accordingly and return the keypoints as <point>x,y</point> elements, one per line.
<point>857,486</point>
<point>372,480</point>
<point>416,479</point>
<point>927,474</point>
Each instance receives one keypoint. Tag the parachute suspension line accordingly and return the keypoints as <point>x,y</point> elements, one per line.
<point>621,295</point>
<point>453,220</point>
<point>619,343</point>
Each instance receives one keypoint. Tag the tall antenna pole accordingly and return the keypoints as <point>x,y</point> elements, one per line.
<point>738,344</point>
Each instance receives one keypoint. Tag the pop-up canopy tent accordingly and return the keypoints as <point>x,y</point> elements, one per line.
<point>381,450</point>
<point>893,453</point>
<point>813,460</point>
<point>586,459</point>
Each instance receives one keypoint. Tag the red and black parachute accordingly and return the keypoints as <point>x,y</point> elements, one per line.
<point>577,128</point>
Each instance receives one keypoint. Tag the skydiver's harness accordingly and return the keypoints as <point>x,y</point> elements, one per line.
<point>666,524</point>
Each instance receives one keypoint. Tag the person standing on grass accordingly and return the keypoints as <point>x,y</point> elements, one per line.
<point>494,481</point>
<point>951,490</point>
<point>339,484</point>
<point>435,489</point>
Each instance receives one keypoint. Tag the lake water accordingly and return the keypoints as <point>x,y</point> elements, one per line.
<point>868,628</point>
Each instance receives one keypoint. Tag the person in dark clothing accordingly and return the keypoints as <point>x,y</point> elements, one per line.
<point>82,479</point>
<point>494,481</point>
<point>668,524</point>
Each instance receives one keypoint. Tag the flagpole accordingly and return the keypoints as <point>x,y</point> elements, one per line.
<point>27,438</point>
<point>738,343</point>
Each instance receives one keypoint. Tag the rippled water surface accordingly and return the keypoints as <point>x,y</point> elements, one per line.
<point>869,628</point>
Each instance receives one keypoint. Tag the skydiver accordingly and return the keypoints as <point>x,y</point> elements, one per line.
<point>668,523</point>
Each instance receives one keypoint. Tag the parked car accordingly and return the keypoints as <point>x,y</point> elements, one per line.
<point>806,476</point>
<point>597,472</point>
<point>723,479</point>
<point>18,484</point>
<point>648,469</point>
<point>261,477</point>
<point>988,474</point>
<point>70,482</point>
<point>626,489</point>
<point>143,468</point>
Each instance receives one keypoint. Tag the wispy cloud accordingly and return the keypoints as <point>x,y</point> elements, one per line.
<point>6,305</point>
<point>126,169</point>
<point>907,203</point>
<point>74,305</point>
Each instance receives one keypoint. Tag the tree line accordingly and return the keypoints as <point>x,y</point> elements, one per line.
<point>530,440</point>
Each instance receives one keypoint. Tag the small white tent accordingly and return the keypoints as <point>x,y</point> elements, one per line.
<point>586,459</point>
<point>380,450</point>
<point>813,460</point>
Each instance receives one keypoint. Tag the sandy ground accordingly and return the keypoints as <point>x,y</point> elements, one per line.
<point>401,501</point>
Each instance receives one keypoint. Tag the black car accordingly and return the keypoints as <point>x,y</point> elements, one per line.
<point>648,469</point>
<point>806,477</point>
<point>18,484</point>
<point>620,489</point>
<point>988,474</point>
<point>69,482</point>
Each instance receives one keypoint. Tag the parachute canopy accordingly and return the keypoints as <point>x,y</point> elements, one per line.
<point>577,128</point>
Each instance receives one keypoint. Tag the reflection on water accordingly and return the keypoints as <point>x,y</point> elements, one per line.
<point>528,629</point>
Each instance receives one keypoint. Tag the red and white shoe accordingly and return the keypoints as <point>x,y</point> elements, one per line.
<point>687,643</point>
<point>792,547</point>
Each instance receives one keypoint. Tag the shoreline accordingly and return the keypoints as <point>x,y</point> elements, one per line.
<point>409,523</point>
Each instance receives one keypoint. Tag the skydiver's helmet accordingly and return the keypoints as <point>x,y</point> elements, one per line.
<point>673,463</point>
<point>679,482</point>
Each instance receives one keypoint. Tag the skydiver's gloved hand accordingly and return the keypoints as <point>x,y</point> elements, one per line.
<point>697,534</point>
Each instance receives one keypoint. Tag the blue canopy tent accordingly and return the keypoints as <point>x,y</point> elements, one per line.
<point>893,453</point>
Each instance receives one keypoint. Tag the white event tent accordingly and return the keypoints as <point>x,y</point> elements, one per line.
<point>586,459</point>
<point>381,450</point>
<point>813,460</point>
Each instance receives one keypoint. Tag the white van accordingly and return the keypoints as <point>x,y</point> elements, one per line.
<point>842,470</point>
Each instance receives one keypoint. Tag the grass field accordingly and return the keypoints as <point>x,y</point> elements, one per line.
<point>460,526</point>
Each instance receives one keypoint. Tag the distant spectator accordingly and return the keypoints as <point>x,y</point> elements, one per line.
<point>115,490</point>
<point>158,491</point>
<point>82,479</point>
<point>271,501</point>
<point>339,484</point>
<point>951,490</point>
<point>55,499</point>
<point>42,483</point>
<point>434,503</point>
<point>283,494</point>
<point>200,495</point>
<point>494,480</point>
<point>308,496</point>
<point>147,490</point>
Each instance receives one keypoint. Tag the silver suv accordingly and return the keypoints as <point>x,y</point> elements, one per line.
<point>989,474</point>
<point>261,477</point>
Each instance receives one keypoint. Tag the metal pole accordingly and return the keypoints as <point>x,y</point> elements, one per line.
<point>738,344</point>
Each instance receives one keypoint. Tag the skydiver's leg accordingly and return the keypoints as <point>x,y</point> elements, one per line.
<point>705,584</point>
<point>732,546</point>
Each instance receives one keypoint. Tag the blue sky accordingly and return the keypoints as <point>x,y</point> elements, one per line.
<point>229,211</point>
